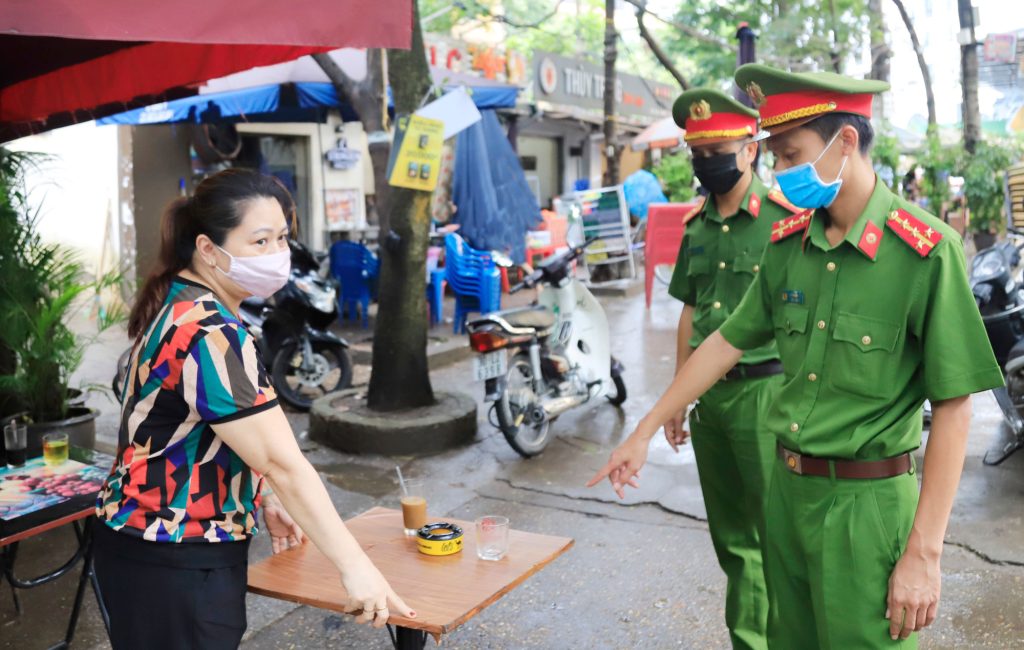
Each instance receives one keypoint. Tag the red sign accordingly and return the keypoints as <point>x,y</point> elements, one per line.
<point>485,61</point>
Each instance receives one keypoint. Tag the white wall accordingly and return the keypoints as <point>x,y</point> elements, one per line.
<point>75,189</point>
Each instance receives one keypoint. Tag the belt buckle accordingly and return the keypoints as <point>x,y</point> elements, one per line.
<point>792,461</point>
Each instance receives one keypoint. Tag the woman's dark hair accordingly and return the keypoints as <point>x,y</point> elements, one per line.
<point>216,208</point>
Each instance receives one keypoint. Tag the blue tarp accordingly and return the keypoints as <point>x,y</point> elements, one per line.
<point>495,205</point>
<point>641,189</point>
<point>300,102</point>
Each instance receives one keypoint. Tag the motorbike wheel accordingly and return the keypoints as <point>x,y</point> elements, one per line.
<point>331,371</point>
<point>514,406</point>
<point>620,389</point>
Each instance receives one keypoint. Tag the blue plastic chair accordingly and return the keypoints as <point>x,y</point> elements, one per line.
<point>355,266</point>
<point>473,278</point>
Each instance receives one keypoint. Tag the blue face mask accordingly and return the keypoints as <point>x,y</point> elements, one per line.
<point>805,189</point>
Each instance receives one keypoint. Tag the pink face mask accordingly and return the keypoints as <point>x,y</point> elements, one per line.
<point>260,275</point>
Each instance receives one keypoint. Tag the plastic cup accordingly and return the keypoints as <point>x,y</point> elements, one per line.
<point>16,444</point>
<point>492,537</point>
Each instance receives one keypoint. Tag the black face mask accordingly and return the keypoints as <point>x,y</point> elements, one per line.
<point>717,173</point>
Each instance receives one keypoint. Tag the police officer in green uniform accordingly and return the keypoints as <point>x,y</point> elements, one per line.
<point>867,299</point>
<point>719,257</point>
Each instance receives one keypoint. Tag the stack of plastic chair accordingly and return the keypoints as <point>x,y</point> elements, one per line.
<point>665,229</point>
<point>473,277</point>
<point>355,266</point>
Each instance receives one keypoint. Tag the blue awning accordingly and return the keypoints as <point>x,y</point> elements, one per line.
<point>214,107</point>
<point>293,102</point>
<point>312,94</point>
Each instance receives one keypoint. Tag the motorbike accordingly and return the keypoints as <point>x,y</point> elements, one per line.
<point>997,283</point>
<point>539,361</point>
<point>291,331</point>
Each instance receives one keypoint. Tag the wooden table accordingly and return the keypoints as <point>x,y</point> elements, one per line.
<point>444,591</point>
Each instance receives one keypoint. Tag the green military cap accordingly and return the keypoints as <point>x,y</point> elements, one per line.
<point>710,116</point>
<point>789,99</point>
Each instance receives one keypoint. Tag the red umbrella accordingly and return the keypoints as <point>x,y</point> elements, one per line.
<point>67,61</point>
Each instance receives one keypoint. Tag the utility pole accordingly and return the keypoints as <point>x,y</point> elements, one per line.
<point>969,76</point>
<point>611,150</point>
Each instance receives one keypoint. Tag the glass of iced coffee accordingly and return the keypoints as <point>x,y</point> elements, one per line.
<point>414,506</point>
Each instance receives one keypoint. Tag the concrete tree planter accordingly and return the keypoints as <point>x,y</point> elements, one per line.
<point>342,421</point>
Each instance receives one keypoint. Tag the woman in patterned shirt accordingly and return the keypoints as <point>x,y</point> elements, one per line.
<point>202,432</point>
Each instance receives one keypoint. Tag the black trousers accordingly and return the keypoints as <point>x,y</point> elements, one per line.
<point>156,603</point>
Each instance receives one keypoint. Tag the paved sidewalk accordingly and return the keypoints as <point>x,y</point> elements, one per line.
<point>642,573</point>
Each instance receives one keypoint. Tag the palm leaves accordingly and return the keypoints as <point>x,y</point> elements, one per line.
<point>42,285</point>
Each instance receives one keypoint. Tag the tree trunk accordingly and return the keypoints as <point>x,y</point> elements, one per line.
<point>659,53</point>
<point>836,54</point>
<point>969,78</point>
<point>368,97</point>
<point>881,54</point>
<point>400,377</point>
<point>925,74</point>
<point>611,150</point>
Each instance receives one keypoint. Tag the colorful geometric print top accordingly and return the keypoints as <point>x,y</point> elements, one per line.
<point>174,480</point>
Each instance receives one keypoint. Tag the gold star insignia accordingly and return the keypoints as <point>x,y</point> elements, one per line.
<point>755,93</point>
<point>700,110</point>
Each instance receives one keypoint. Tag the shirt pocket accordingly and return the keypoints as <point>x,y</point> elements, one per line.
<point>862,355</point>
<point>699,265</point>
<point>790,324</point>
<point>747,263</point>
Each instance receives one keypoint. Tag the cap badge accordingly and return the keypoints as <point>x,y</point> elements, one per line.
<point>755,93</point>
<point>700,110</point>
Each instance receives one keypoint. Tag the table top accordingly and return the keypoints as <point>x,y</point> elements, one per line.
<point>444,591</point>
<point>65,511</point>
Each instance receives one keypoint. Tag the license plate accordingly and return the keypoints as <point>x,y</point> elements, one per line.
<point>490,365</point>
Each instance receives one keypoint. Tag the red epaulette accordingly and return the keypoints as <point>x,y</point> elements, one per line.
<point>786,227</point>
<point>694,211</point>
<point>754,205</point>
<point>918,235</point>
<point>778,197</point>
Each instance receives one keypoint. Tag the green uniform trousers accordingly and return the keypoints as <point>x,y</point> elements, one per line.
<point>830,547</point>
<point>734,460</point>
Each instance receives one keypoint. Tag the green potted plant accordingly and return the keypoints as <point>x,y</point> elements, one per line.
<point>983,173</point>
<point>44,286</point>
<point>676,175</point>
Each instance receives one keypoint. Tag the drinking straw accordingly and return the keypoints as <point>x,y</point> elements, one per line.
<point>401,481</point>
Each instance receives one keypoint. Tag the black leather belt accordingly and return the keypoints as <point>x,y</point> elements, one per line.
<point>754,370</point>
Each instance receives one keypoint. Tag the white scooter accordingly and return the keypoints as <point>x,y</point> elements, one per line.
<point>540,361</point>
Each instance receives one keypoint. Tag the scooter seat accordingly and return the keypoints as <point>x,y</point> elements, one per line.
<point>540,319</point>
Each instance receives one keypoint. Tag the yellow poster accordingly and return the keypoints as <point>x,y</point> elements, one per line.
<point>419,141</point>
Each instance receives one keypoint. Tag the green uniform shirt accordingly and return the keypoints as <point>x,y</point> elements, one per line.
<point>864,340</point>
<point>719,259</point>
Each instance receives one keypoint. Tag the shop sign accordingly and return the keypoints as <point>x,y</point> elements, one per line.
<point>477,59</point>
<point>342,156</point>
<point>564,81</point>
<point>1000,48</point>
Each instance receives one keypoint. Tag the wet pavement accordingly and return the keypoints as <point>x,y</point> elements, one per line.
<point>642,573</point>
